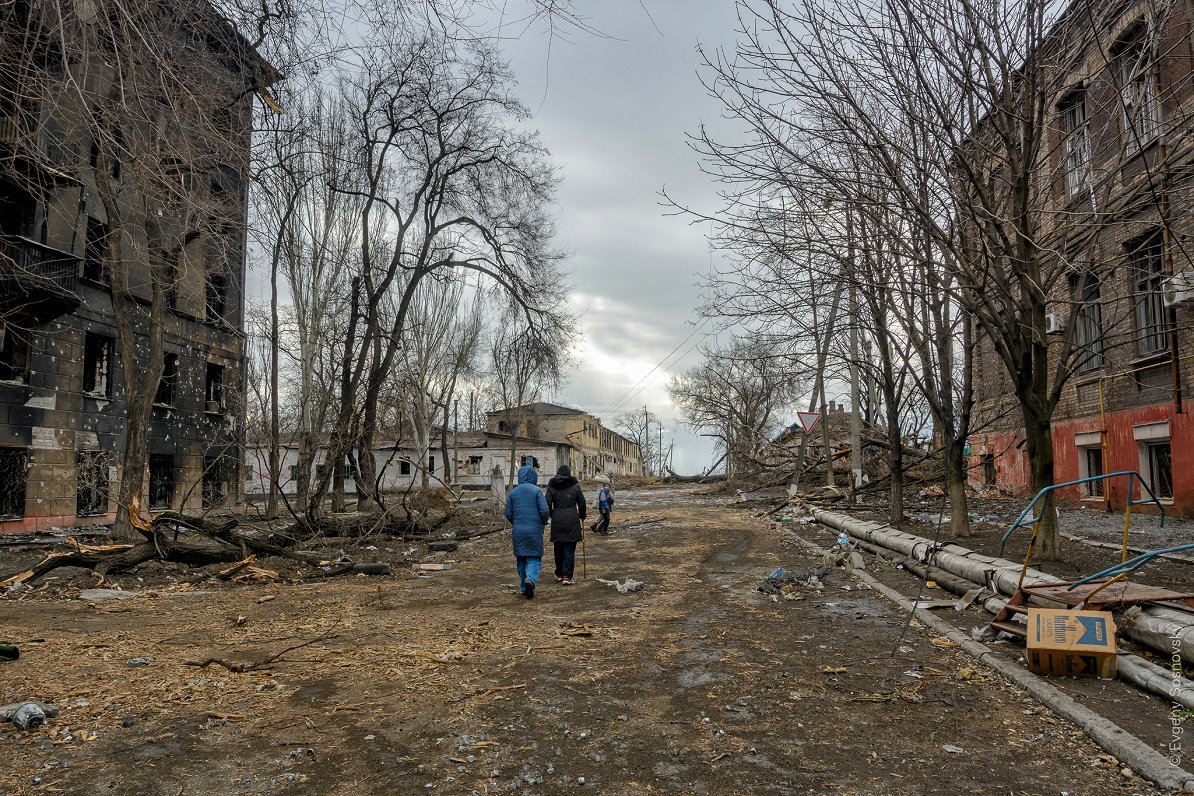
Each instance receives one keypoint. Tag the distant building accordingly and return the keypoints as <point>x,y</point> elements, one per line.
<point>62,390</point>
<point>475,455</point>
<point>594,448</point>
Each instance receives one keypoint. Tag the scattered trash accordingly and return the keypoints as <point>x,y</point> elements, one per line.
<point>29,716</point>
<point>143,660</point>
<point>106,594</point>
<point>843,538</point>
<point>989,518</point>
<point>623,587</point>
<point>9,651</point>
<point>16,587</point>
<point>779,582</point>
<point>967,599</point>
<point>932,491</point>
<point>953,750</point>
<point>431,567</point>
<point>914,675</point>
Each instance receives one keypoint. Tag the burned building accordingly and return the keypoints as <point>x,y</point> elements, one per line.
<point>124,152</point>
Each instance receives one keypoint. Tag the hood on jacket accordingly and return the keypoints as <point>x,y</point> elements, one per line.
<point>528,475</point>
<point>561,481</point>
<point>564,471</point>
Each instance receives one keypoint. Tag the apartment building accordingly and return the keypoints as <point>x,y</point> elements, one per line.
<point>1118,178</point>
<point>152,187</point>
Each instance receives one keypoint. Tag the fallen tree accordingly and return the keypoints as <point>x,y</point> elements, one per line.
<point>174,537</point>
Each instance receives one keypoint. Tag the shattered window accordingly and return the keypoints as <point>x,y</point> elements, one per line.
<point>91,483</point>
<point>1077,144</point>
<point>1138,89</point>
<point>14,354</point>
<point>161,481</point>
<point>13,475</point>
<point>214,390</point>
<point>215,482</point>
<point>1148,272</point>
<point>165,394</point>
<point>97,365</point>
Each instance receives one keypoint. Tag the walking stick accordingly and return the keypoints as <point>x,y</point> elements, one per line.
<point>584,563</point>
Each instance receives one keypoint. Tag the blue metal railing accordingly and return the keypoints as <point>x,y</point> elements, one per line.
<point>1133,476</point>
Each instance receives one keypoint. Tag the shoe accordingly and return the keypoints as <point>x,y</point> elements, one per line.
<point>559,579</point>
<point>566,581</point>
<point>529,588</point>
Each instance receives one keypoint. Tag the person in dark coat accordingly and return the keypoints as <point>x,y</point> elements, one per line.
<point>567,504</point>
<point>526,509</point>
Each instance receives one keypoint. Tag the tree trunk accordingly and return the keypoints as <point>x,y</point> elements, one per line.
<point>275,463</point>
<point>955,485</point>
<point>1040,456</point>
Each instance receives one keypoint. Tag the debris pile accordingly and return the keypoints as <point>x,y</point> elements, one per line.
<point>781,583</point>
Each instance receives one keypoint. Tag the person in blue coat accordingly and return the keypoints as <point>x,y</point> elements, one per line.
<point>526,509</point>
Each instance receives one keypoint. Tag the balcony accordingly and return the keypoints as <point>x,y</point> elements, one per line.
<point>41,281</point>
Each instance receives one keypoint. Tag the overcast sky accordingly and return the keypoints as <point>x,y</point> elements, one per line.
<point>614,110</point>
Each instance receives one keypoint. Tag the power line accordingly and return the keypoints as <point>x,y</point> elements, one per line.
<point>630,393</point>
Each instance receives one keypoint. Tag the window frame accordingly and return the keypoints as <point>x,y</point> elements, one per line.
<point>1139,95</point>
<point>1076,152</point>
<point>99,365</point>
<point>1146,270</point>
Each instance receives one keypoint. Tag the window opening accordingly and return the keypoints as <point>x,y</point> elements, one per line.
<point>161,480</point>
<point>1148,272</point>
<point>97,365</point>
<point>91,483</point>
<point>165,394</point>
<point>13,476</point>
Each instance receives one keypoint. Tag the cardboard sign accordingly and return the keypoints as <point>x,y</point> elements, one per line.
<point>1071,643</point>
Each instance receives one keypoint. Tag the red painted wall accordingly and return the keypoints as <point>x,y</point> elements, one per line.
<point>1122,453</point>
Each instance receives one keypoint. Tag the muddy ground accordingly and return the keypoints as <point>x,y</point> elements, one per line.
<point>451,683</point>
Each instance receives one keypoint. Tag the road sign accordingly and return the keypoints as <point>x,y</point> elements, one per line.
<point>808,420</point>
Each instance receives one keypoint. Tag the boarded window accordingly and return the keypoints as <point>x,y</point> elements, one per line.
<point>91,483</point>
<point>13,475</point>
<point>97,365</point>
<point>161,480</point>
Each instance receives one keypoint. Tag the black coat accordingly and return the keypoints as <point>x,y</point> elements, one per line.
<point>567,505</point>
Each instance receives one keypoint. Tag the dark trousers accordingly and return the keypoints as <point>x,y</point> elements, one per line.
<point>603,526</point>
<point>565,559</point>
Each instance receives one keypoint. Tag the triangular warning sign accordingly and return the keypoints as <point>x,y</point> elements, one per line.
<point>808,420</point>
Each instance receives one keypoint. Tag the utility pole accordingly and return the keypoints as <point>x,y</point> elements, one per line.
<point>855,426</point>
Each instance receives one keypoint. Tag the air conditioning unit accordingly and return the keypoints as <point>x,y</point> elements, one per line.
<point>1054,323</point>
<point>1178,289</point>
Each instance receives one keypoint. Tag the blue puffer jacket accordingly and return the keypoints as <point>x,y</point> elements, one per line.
<point>526,509</point>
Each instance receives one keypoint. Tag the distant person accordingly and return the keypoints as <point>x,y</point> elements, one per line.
<point>567,505</point>
<point>605,505</point>
<point>526,509</point>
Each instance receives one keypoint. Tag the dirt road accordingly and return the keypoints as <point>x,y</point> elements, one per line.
<point>453,684</point>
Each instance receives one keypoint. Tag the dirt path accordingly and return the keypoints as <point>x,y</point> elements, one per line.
<point>451,683</point>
